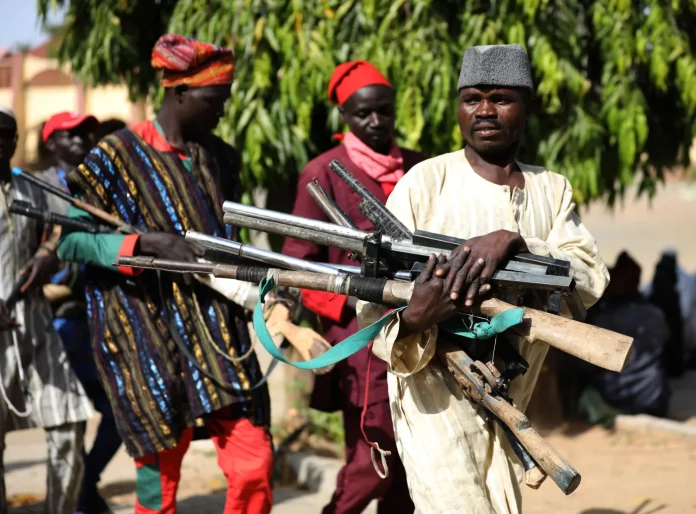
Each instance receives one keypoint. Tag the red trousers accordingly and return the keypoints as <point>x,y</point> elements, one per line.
<point>244,455</point>
<point>358,483</point>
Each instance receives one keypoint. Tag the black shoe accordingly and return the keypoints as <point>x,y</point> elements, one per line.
<point>94,505</point>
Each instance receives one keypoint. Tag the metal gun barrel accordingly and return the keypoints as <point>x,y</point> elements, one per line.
<point>371,207</point>
<point>42,184</point>
<point>319,232</point>
<point>295,221</point>
<point>257,254</point>
<point>403,275</point>
<point>94,211</point>
<point>401,249</point>
<point>284,229</point>
<point>327,204</point>
<point>76,225</point>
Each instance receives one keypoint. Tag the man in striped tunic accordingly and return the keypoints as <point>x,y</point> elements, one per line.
<point>169,350</point>
<point>39,389</point>
<point>454,459</point>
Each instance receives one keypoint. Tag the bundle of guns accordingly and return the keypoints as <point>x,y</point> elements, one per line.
<point>482,382</point>
<point>393,248</point>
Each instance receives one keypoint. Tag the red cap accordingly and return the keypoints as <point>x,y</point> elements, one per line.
<point>66,121</point>
<point>348,77</point>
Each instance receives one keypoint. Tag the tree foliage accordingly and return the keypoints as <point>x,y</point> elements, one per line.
<point>616,80</point>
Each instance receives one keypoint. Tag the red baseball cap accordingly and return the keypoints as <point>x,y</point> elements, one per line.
<point>66,121</point>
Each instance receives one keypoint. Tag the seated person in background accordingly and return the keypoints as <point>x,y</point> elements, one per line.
<point>642,387</point>
<point>664,294</point>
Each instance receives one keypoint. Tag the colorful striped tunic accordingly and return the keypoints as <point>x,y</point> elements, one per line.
<point>155,391</point>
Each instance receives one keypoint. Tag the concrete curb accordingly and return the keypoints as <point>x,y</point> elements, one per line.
<point>317,474</point>
<point>646,422</point>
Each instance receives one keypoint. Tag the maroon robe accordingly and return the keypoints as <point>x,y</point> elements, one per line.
<point>345,385</point>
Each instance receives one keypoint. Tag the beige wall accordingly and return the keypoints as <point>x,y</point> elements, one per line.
<point>35,104</point>
<point>40,104</point>
<point>33,65</point>
<point>6,97</point>
<point>108,102</point>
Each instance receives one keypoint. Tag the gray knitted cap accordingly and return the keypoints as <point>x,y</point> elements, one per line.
<point>496,65</point>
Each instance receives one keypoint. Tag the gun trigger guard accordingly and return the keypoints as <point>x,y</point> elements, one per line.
<point>383,454</point>
<point>487,375</point>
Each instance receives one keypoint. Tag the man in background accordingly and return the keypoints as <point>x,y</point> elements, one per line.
<point>39,389</point>
<point>69,137</point>
<point>642,387</point>
<point>366,102</point>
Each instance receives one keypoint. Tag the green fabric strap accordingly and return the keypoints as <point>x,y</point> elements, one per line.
<point>361,339</point>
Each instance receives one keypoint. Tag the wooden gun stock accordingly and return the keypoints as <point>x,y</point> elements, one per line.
<point>598,346</point>
<point>542,453</point>
<point>604,348</point>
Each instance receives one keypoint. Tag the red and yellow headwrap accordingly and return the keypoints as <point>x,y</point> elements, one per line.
<point>187,61</point>
<point>348,77</point>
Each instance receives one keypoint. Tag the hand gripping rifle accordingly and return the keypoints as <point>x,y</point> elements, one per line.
<point>546,280</point>
<point>481,381</point>
<point>307,342</point>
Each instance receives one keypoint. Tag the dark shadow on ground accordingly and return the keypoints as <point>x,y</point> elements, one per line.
<point>14,466</point>
<point>117,488</point>
<point>215,502</point>
<point>647,507</point>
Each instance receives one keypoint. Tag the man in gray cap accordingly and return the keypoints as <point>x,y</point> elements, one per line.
<point>454,458</point>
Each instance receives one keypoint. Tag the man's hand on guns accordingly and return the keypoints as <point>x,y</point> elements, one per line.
<point>6,320</point>
<point>39,271</point>
<point>443,286</point>
<point>170,246</point>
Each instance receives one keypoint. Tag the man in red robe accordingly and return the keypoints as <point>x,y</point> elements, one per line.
<point>366,102</point>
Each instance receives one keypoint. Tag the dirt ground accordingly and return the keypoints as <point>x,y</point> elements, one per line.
<point>624,472</point>
<point>640,472</point>
<point>645,227</point>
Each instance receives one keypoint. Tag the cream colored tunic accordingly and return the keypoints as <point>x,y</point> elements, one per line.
<point>456,461</point>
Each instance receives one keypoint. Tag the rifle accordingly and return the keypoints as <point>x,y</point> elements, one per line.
<point>307,342</point>
<point>119,224</point>
<point>73,225</point>
<point>546,280</point>
<point>612,356</point>
<point>481,381</point>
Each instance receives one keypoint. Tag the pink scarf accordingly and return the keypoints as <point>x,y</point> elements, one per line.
<point>385,169</point>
